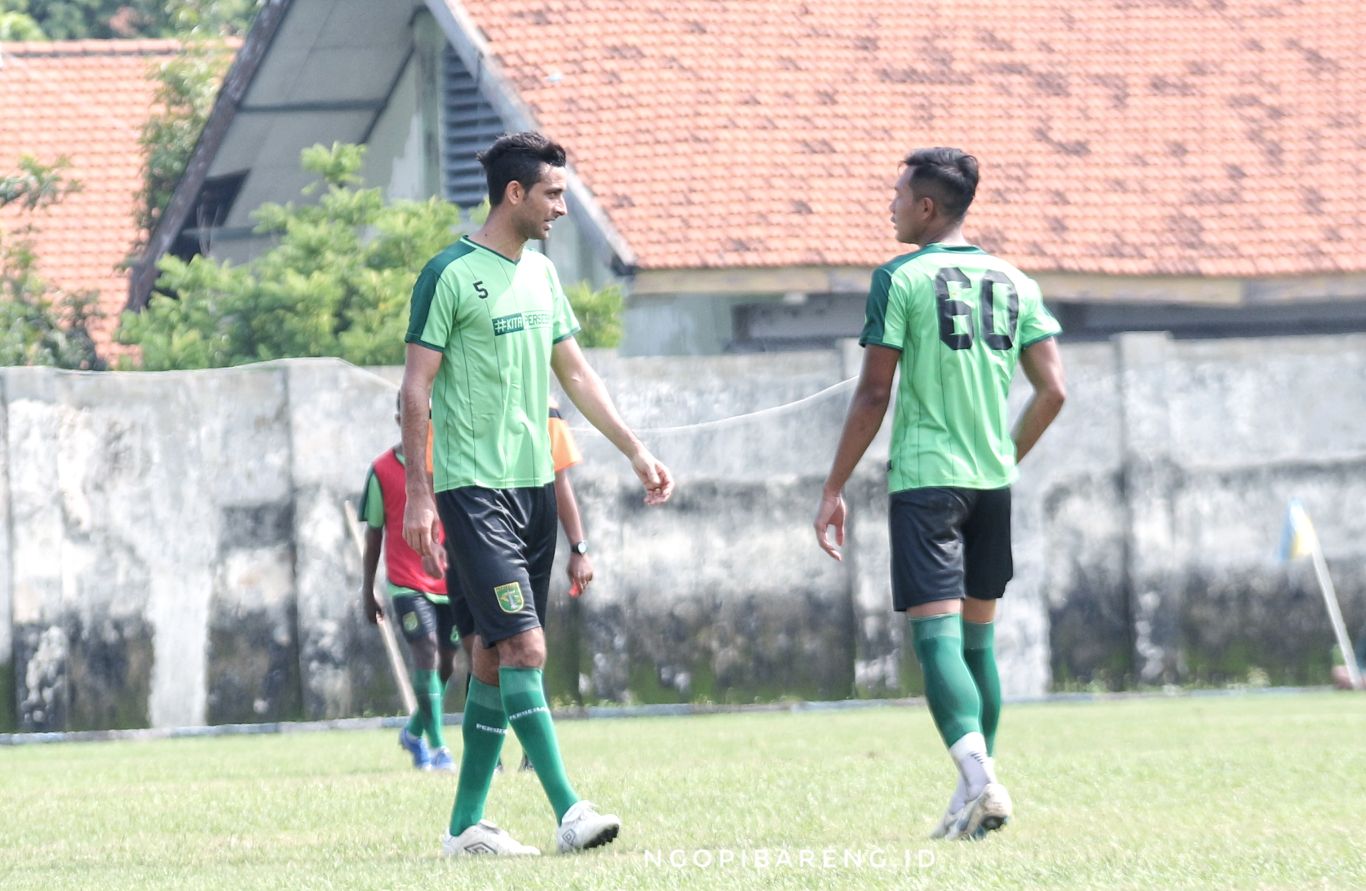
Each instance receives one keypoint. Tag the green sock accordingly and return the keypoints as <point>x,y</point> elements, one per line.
<point>416,723</point>
<point>482,730</point>
<point>427,686</point>
<point>979,652</point>
<point>949,688</point>
<point>524,702</point>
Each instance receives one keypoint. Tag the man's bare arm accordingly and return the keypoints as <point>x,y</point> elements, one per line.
<point>866,411</point>
<point>1042,364</point>
<point>420,523</point>
<point>588,393</point>
<point>374,539</point>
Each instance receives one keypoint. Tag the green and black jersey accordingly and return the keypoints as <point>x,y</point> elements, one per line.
<point>494,320</point>
<point>960,318</point>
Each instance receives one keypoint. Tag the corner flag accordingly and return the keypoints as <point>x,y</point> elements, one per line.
<point>1300,540</point>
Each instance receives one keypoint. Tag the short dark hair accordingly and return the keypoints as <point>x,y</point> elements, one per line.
<point>517,156</point>
<point>947,175</point>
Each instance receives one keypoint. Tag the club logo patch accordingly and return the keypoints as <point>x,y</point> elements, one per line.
<point>510,598</point>
<point>410,622</point>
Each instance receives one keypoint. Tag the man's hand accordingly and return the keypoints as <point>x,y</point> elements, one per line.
<point>370,606</point>
<point>831,513</point>
<point>421,524</point>
<point>580,573</point>
<point>658,482</point>
<point>435,565</point>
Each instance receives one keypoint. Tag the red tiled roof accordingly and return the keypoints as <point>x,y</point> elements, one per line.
<point>1117,136</point>
<point>87,100</point>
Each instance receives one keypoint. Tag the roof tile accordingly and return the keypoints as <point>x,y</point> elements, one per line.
<point>86,100</point>
<point>1121,136</point>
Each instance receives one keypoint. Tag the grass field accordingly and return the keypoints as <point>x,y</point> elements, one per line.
<point>1257,791</point>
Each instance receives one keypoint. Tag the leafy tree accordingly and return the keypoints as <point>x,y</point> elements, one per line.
<point>103,19</point>
<point>335,284</point>
<point>39,325</point>
<point>599,314</point>
<point>185,97</point>
<point>224,18</point>
<point>18,25</point>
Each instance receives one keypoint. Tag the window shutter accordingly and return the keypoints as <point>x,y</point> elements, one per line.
<point>469,125</point>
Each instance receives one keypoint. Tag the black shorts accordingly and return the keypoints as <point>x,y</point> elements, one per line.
<point>947,543</point>
<point>500,545</point>
<point>418,616</point>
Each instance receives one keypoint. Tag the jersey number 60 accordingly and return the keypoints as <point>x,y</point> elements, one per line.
<point>951,308</point>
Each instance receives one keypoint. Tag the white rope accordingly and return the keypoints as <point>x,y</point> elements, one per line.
<point>700,425</point>
<point>735,419</point>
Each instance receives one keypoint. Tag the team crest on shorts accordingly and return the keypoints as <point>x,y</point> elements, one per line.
<point>510,597</point>
<point>410,621</point>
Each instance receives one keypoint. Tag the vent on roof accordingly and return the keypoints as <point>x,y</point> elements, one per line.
<point>469,124</point>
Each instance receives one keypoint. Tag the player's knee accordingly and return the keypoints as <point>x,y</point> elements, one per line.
<point>447,667</point>
<point>526,650</point>
<point>484,664</point>
<point>424,652</point>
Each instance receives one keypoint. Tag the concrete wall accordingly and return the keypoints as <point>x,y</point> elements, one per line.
<point>173,549</point>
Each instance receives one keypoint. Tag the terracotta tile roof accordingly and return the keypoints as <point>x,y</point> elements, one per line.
<point>1117,136</point>
<point>87,100</point>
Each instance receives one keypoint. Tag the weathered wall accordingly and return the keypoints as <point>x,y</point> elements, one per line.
<point>173,549</point>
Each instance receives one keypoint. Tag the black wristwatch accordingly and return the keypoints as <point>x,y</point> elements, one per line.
<point>579,547</point>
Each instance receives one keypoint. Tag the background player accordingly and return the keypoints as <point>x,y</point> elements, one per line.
<point>957,320</point>
<point>418,592</point>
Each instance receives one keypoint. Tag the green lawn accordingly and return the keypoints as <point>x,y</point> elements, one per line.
<point>1257,791</point>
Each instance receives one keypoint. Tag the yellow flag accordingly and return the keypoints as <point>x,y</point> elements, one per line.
<point>1299,539</point>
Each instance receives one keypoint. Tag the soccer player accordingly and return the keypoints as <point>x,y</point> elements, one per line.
<point>957,320</point>
<point>418,593</point>
<point>489,322</point>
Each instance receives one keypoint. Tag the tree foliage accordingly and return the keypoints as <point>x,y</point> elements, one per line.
<point>105,19</point>
<point>599,314</point>
<point>336,283</point>
<point>15,25</point>
<point>39,324</point>
<point>188,85</point>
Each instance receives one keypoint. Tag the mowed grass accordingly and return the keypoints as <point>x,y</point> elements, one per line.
<point>1256,791</point>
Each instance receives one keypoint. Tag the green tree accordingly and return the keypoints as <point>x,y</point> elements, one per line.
<point>185,97</point>
<point>17,25</point>
<point>336,283</point>
<point>39,324</point>
<point>104,19</point>
<point>221,18</point>
<point>599,314</point>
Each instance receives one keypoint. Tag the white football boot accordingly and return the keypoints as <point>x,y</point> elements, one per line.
<point>485,837</point>
<point>583,828</point>
<point>987,812</point>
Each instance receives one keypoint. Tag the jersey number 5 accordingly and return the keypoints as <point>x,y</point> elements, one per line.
<point>951,308</point>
